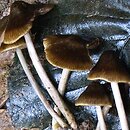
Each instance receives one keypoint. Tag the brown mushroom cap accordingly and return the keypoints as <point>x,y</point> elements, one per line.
<point>110,68</point>
<point>94,95</point>
<point>18,44</point>
<point>20,20</point>
<point>3,25</point>
<point>67,51</point>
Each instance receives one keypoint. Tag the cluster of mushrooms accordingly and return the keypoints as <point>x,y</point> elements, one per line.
<point>70,53</point>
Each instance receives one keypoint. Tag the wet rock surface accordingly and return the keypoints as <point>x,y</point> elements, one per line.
<point>107,20</point>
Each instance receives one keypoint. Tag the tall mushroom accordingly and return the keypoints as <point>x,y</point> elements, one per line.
<point>95,95</point>
<point>111,69</point>
<point>20,22</point>
<point>68,52</point>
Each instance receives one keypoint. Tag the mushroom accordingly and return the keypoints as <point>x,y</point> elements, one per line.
<point>20,22</point>
<point>18,45</point>
<point>95,95</point>
<point>111,69</point>
<point>21,17</point>
<point>68,52</point>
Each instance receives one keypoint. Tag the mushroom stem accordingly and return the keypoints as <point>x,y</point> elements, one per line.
<point>47,83</point>
<point>61,88</point>
<point>101,118</point>
<point>119,106</point>
<point>37,89</point>
<point>105,111</point>
<point>63,81</point>
<point>55,124</point>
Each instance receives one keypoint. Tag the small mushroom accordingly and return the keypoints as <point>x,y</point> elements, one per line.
<point>68,52</point>
<point>21,17</point>
<point>111,69</point>
<point>18,44</point>
<point>20,22</point>
<point>95,95</point>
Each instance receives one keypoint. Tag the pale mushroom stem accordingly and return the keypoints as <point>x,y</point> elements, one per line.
<point>119,106</point>
<point>105,111</point>
<point>63,81</point>
<point>55,124</point>
<point>47,83</point>
<point>37,89</point>
<point>61,88</point>
<point>101,118</point>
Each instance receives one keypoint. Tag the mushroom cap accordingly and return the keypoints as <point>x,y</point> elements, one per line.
<point>110,68</point>
<point>18,44</point>
<point>94,95</point>
<point>67,51</point>
<point>3,25</point>
<point>20,19</point>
